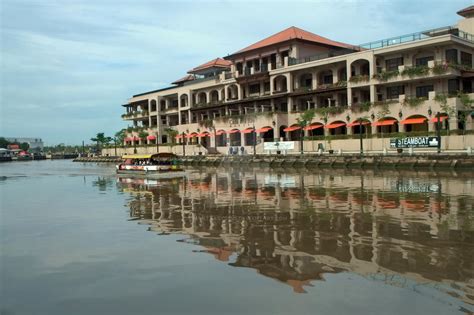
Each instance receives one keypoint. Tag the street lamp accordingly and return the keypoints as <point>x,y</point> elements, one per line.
<point>157,143</point>
<point>254,140</point>
<point>438,131</point>
<point>184,147</point>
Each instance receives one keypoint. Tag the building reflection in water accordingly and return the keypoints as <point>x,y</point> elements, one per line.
<point>405,230</point>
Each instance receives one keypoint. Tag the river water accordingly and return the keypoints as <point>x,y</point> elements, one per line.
<point>75,239</point>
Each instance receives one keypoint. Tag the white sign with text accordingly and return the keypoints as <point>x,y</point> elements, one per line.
<point>279,146</point>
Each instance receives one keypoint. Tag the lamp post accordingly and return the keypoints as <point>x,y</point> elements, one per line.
<point>254,141</point>
<point>157,143</point>
<point>360,138</point>
<point>184,146</point>
<point>438,131</point>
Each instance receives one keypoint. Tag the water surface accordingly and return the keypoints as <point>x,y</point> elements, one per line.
<point>75,239</point>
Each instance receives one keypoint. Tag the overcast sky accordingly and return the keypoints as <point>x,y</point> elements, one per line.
<point>67,66</point>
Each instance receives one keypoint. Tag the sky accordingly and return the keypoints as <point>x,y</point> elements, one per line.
<point>66,67</point>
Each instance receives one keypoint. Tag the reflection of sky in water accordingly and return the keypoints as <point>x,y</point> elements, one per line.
<point>67,246</point>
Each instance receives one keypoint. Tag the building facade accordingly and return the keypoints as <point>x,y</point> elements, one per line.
<point>404,85</point>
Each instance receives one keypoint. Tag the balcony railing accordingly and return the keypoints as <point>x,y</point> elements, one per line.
<point>384,43</point>
<point>418,36</point>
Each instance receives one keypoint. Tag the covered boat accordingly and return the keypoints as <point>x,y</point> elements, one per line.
<point>151,165</point>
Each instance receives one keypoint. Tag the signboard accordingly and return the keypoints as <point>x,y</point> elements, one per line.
<point>415,142</point>
<point>279,146</point>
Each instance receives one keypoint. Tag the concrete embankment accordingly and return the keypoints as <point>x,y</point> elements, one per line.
<point>99,159</point>
<point>427,161</point>
<point>326,161</point>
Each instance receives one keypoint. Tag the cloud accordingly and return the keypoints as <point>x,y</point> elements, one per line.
<point>66,67</point>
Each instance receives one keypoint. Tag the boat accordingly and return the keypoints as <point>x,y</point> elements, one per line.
<point>160,165</point>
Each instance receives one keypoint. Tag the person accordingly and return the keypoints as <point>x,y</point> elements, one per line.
<point>242,149</point>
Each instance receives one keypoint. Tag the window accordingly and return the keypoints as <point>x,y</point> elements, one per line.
<point>453,86</point>
<point>422,91</point>
<point>254,89</point>
<point>394,91</point>
<point>466,59</point>
<point>423,61</point>
<point>266,86</point>
<point>392,64</point>
<point>452,55</point>
<point>327,79</point>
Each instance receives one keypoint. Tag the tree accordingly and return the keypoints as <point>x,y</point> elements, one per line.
<point>172,133</point>
<point>101,139</point>
<point>120,136</point>
<point>304,120</point>
<point>142,134</point>
<point>4,143</point>
<point>24,146</point>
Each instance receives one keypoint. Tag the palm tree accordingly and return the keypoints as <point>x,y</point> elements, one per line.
<point>172,133</point>
<point>304,120</point>
<point>100,138</point>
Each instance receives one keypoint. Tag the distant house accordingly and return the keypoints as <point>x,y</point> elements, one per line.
<point>36,144</point>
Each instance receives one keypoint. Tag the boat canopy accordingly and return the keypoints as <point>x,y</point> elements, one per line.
<point>148,156</point>
<point>137,156</point>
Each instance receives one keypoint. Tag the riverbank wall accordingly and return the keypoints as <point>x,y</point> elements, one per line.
<point>407,161</point>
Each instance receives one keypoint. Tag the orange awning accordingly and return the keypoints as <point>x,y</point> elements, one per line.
<point>334,126</point>
<point>441,118</point>
<point>412,121</point>
<point>264,129</point>
<point>203,134</point>
<point>356,123</point>
<point>248,130</point>
<point>312,127</point>
<point>151,137</point>
<point>180,136</point>
<point>292,128</point>
<point>220,132</point>
<point>387,122</point>
<point>192,135</point>
<point>234,131</point>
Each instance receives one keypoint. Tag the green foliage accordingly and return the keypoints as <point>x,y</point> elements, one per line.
<point>207,123</point>
<point>120,135</point>
<point>359,78</point>
<point>142,134</point>
<point>306,118</point>
<point>386,75</point>
<point>465,99</point>
<point>24,146</point>
<point>4,143</point>
<point>414,102</point>
<point>362,107</point>
<point>383,112</point>
<point>416,71</point>
<point>440,68</point>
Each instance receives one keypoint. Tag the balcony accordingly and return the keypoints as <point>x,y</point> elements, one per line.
<point>252,75</point>
<point>406,73</point>
<point>135,115</point>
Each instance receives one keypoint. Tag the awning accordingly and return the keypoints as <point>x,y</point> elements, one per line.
<point>412,121</point>
<point>192,135</point>
<point>312,127</point>
<point>151,137</point>
<point>248,130</point>
<point>128,139</point>
<point>234,131</point>
<point>220,132</point>
<point>356,123</point>
<point>203,134</point>
<point>264,129</point>
<point>334,126</point>
<point>441,118</point>
<point>387,122</point>
<point>293,128</point>
<point>180,136</point>
<point>136,139</point>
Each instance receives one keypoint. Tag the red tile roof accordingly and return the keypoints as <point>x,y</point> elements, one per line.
<point>293,33</point>
<point>189,77</point>
<point>215,63</point>
<point>466,11</point>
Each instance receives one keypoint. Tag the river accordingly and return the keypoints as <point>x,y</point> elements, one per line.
<point>76,239</point>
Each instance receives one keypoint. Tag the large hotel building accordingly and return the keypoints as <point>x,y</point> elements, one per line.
<point>387,88</point>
